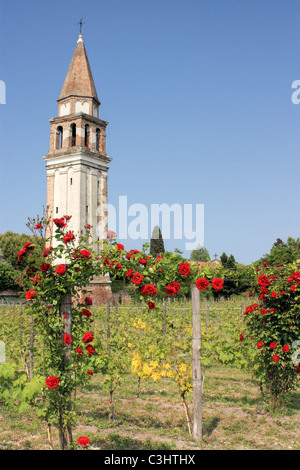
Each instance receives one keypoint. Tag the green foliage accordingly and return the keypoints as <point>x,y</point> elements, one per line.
<point>281,253</point>
<point>11,243</point>
<point>228,261</point>
<point>7,277</point>
<point>200,254</point>
<point>273,326</point>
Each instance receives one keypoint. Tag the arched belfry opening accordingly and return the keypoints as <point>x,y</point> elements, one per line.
<point>73,135</point>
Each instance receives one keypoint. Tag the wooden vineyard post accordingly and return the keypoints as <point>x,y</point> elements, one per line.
<point>196,364</point>
<point>65,309</point>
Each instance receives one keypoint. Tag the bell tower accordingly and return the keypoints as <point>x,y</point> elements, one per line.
<point>77,162</point>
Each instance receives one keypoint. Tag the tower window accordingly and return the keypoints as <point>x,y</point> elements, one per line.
<point>97,145</point>
<point>73,135</point>
<point>56,210</point>
<point>59,137</point>
<point>71,181</point>
<point>86,135</point>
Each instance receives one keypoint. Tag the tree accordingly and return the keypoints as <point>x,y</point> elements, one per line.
<point>156,243</point>
<point>11,243</point>
<point>228,261</point>
<point>281,253</point>
<point>7,276</point>
<point>200,254</point>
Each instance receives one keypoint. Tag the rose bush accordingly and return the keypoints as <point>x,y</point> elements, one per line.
<point>273,327</point>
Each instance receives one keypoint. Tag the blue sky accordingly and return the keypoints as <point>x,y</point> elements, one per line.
<point>198,99</point>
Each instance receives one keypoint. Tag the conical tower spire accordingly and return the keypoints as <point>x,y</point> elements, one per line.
<point>79,80</point>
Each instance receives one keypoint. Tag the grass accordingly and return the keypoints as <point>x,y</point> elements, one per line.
<point>234,417</point>
<point>234,414</point>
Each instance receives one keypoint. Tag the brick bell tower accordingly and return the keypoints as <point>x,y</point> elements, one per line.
<point>77,162</point>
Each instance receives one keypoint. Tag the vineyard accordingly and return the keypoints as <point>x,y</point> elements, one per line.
<point>138,392</point>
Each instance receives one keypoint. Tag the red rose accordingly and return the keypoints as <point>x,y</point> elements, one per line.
<point>137,278</point>
<point>47,251</point>
<point>249,309</point>
<point>263,280</point>
<point>202,283</point>
<point>30,295</point>
<point>83,441</point>
<point>129,272</point>
<point>29,246</point>
<point>118,266</point>
<point>60,222</point>
<point>38,226</point>
<point>21,253</point>
<point>88,337</point>
<point>60,269</point>
<point>90,349</point>
<point>88,301</point>
<point>264,290</point>
<point>120,246</point>
<point>274,294</point>
<point>79,351</point>
<point>294,277</point>
<point>275,358</point>
<point>264,311</point>
<point>176,285</point>
<point>86,312</point>
<point>45,267</point>
<point>143,262</point>
<point>68,237</point>
<point>217,283</point>
<point>285,348</point>
<point>131,253</point>
<point>293,287</point>
<point>37,278</point>
<point>85,254</point>
<point>172,288</point>
<point>273,345</point>
<point>67,339</point>
<point>241,337</point>
<point>90,372</point>
<point>52,382</point>
<point>184,269</point>
<point>151,305</point>
<point>260,344</point>
<point>149,289</point>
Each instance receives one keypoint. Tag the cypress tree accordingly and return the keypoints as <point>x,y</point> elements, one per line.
<point>156,243</point>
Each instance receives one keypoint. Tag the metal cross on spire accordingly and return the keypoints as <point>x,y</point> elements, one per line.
<point>80,24</point>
